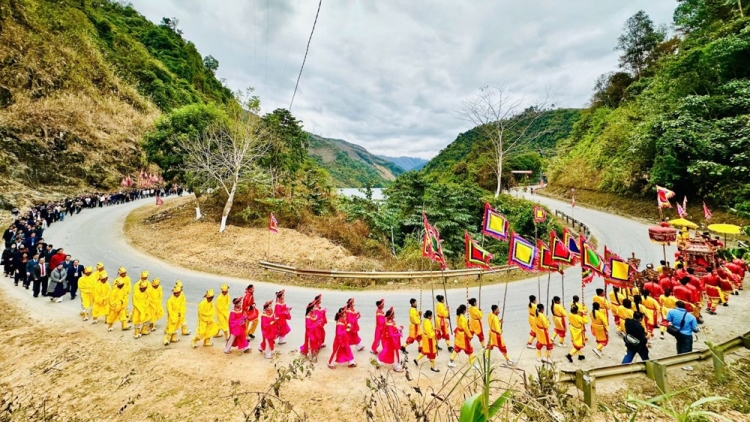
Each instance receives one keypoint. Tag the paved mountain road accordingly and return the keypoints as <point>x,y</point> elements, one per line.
<point>97,235</point>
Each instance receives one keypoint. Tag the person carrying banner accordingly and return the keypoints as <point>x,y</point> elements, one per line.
<point>495,340</point>
<point>578,323</point>
<point>558,316</point>
<point>462,337</point>
<point>543,339</point>
<point>601,299</point>
<point>443,322</point>
<point>532,321</point>
<point>415,320</point>
<point>599,328</point>
<point>428,345</point>
<point>475,321</point>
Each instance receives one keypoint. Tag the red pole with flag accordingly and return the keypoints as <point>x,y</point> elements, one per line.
<point>273,227</point>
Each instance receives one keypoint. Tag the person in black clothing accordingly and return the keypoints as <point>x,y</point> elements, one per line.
<point>634,329</point>
<point>41,278</point>
<point>75,271</point>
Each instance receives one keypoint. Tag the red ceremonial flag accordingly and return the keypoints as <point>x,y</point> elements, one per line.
<point>706,212</point>
<point>476,257</point>
<point>273,225</point>
<point>662,197</point>
<point>159,201</point>
<point>560,252</point>
<point>546,263</point>
<point>540,214</point>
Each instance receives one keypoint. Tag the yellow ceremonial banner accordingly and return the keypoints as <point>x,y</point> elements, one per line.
<point>524,253</point>
<point>496,223</point>
<point>620,270</point>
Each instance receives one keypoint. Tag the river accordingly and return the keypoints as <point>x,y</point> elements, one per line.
<point>377,193</point>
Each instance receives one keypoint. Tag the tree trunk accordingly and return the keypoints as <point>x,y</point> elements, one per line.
<point>499,176</point>
<point>227,208</point>
<point>198,214</point>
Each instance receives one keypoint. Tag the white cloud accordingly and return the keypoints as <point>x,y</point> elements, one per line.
<point>390,74</point>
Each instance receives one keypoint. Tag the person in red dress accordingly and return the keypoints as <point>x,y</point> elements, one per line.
<point>251,312</point>
<point>283,315</point>
<point>391,342</point>
<point>352,319</point>
<point>311,345</point>
<point>342,347</point>
<point>237,333</point>
<point>379,326</point>
<point>268,330</point>
<point>320,335</point>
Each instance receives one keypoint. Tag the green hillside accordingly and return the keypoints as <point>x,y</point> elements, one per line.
<point>676,114</point>
<point>468,158</point>
<point>81,82</point>
<point>351,166</point>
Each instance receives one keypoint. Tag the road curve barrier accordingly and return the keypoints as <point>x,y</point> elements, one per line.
<point>577,225</point>
<point>585,380</point>
<point>384,275</point>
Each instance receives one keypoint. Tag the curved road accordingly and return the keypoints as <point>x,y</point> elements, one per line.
<point>97,235</point>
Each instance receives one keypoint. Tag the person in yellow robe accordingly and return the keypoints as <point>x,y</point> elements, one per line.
<point>495,340</point>
<point>86,285</point>
<point>532,321</point>
<point>99,270</point>
<point>638,307</point>
<point>428,345</point>
<point>601,299</point>
<point>222,311</point>
<point>559,316</point>
<point>415,322</point>
<point>207,327</point>
<point>443,322</point>
<point>183,309</point>
<point>582,309</point>
<point>118,302</point>
<point>615,301</point>
<point>543,339</point>
<point>122,276</point>
<point>667,302</point>
<point>141,309</point>
<point>174,316</point>
<point>156,303</point>
<point>475,320</point>
<point>101,297</point>
<point>578,321</point>
<point>653,310</point>
<point>461,337</point>
<point>625,311</point>
<point>599,328</point>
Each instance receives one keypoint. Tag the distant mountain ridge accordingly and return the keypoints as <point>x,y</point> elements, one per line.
<point>350,165</point>
<point>407,163</point>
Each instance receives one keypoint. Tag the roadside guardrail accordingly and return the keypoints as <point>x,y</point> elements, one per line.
<point>387,275</point>
<point>573,222</point>
<point>585,380</point>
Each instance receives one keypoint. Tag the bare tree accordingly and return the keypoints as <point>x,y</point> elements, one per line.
<point>226,156</point>
<point>503,121</point>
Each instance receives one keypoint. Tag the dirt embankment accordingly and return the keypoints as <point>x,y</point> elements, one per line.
<point>171,233</point>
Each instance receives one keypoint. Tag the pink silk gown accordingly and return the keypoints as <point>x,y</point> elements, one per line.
<point>379,327</point>
<point>282,318</point>
<point>342,349</point>
<point>391,343</point>
<point>237,329</point>
<point>353,319</point>
<point>268,329</point>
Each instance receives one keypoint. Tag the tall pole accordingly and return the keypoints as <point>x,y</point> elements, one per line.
<point>538,276</point>
<point>563,286</point>
<point>549,278</point>
<point>268,249</point>
<point>445,294</point>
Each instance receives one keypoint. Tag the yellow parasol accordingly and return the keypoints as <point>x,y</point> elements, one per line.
<point>725,228</point>
<point>681,222</point>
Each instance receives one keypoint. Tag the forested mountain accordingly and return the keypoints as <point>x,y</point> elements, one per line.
<point>407,163</point>
<point>676,113</point>
<point>81,82</point>
<point>468,158</point>
<point>351,166</point>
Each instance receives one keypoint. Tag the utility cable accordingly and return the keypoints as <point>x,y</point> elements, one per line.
<point>305,58</point>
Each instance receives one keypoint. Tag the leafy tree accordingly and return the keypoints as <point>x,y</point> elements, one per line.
<point>610,89</point>
<point>288,147</point>
<point>639,42</point>
<point>211,63</point>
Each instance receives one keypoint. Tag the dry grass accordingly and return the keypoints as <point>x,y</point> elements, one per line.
<point>170,232</point>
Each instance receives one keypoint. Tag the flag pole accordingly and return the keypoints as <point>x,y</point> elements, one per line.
<point>549,278</point>
<point>445,294</point>
<point>268,249</point>
<point>538,276</point>
<point>563,286</point>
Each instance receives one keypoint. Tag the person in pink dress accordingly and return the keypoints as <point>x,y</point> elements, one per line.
<point>342,348</point>
<point>320,313</point>
<point>391,342</point>
<point>352,318</point>
<point>310,346</point>
<point>283,315</point>
<point>237,337</point>
<point>268,330</point>
<point>379,326</point>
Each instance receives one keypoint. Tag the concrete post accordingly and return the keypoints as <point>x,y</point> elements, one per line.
<point>717,355</point>
<point>658,372</point>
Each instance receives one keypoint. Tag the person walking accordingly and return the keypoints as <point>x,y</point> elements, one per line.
<point>686,323</point>
<point>635,338</point>
<point>75,271</point>
<point>58,280</point>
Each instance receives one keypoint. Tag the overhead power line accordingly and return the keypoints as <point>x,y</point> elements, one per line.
<point>305,58</point>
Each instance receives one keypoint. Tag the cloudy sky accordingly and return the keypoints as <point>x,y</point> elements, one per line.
<point>391,74</point>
